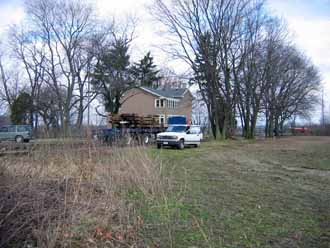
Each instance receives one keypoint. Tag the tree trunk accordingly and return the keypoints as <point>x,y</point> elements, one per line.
<point>80,117</point>
<point>270,125</point>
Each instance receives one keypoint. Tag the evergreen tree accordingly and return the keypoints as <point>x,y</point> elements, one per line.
<point>145,72</point>
<point>112,76</point>
<point>21,109</point>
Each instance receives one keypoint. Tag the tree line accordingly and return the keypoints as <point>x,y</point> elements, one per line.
<point>63,58</point>
<point>243,61</point>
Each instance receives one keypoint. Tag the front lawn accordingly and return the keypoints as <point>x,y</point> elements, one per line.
<point>273,193</point>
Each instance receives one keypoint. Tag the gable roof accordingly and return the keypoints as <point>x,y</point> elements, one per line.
<point>167,93</point>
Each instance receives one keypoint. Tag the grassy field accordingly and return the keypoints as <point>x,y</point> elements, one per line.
<point>273,193</point>
<point>232,194</point>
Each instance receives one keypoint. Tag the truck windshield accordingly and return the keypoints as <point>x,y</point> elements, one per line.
<point>177,129</point>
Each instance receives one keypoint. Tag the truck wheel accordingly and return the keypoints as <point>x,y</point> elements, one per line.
<point>19,139</point>
<point>181,144</point>
<point>159,146</point>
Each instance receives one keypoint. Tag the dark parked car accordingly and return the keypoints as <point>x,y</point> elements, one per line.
<point>18,133</point>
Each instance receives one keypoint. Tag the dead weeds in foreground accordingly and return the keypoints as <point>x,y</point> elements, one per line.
<point>70,198</point>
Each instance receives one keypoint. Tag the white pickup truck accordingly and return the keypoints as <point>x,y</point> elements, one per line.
<point>180,136</point>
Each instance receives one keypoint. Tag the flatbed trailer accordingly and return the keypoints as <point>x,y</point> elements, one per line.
<point>130,129</point>
<point>133,129</point>
<point>128,136</point>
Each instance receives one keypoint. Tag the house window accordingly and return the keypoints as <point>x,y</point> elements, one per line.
<point>171,104</point>
<point>160,103</point>
<point>162,120</point>
<point>166,103</point>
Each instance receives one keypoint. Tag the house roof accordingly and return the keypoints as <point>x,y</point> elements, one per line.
<point>168,93</point>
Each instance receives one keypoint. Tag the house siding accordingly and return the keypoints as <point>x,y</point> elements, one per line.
<point>141,102</point>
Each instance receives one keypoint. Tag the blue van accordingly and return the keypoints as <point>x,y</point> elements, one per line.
<point>18,133</point>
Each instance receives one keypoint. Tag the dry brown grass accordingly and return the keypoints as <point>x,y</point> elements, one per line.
<point>75,197</point>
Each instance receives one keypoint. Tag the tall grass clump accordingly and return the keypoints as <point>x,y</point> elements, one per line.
<point>78,195</point>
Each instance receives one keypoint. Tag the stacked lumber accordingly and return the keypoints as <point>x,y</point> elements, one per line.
<point>133,120</point>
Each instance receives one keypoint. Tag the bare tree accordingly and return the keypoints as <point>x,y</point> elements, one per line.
<point>26,50</point>
<point>63,28</point>
<point>168,78</point>
<point>9,83</point>
<point>59,47</point>
<point>48,107</point>
<point>206,36</point>
<point>250,69</point>
<point>256,66</point>
<point>242,61</point>
<point>292,88</point>
<point>6,95</point>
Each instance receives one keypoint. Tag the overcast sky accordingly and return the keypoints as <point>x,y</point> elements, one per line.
<point>308,20</point>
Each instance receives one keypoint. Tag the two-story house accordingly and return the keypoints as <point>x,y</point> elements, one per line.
<point>162,102</point>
